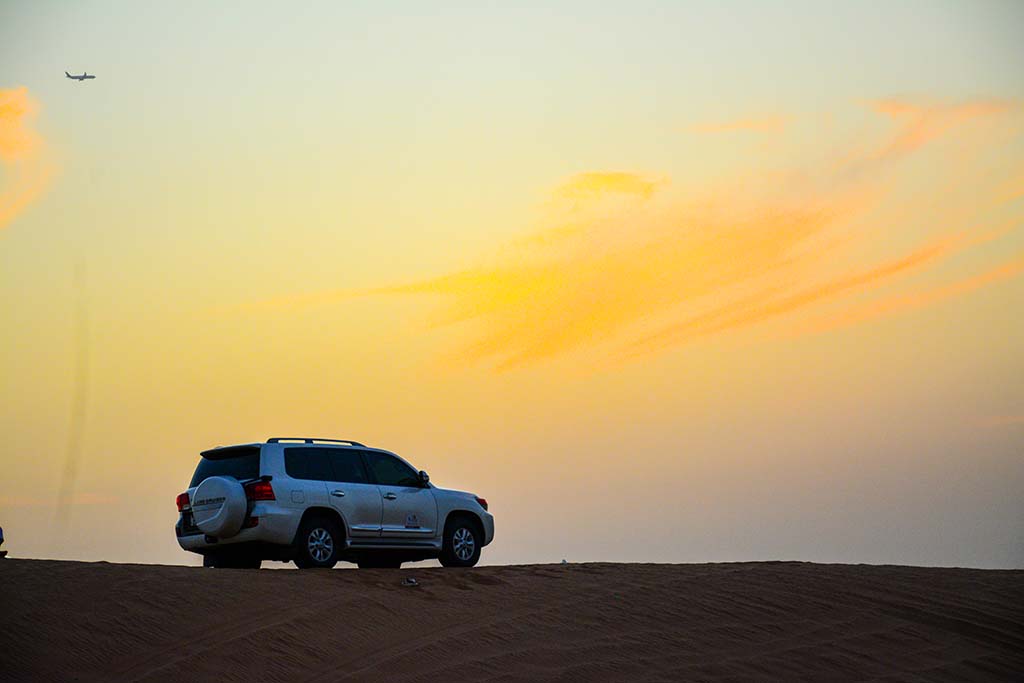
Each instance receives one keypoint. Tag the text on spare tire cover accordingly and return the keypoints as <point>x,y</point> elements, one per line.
<point>208,501</point>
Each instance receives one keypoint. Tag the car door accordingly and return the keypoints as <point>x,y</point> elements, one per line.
<point>350,491</point>
<point>409,510</point>
<point>330,477</point>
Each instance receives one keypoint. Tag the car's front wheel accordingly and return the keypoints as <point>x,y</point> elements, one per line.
<point>462,543</point>
<point>319,543</point>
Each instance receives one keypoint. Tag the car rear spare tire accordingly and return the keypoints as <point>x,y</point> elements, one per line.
<point>219,506</point>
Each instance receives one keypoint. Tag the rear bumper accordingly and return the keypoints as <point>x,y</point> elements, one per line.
<point>276,527</point>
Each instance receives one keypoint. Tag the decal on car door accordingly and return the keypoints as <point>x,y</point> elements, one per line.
<point>412,521</point>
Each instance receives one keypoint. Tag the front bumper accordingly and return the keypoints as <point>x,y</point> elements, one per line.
<point>488,520</point>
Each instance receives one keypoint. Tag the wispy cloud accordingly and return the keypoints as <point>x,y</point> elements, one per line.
<point>762,124</point>
<point>631,271</point>
<point>594,185</point>
<point>919,124</point>
<point>918,298</point>
<point>26,169</point>
<point>770,303</point>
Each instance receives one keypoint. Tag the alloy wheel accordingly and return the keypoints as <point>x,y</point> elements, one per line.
<point>463,543</point>
<point>320,544</point>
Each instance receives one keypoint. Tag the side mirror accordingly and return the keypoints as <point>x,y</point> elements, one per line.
<point>424,478</point>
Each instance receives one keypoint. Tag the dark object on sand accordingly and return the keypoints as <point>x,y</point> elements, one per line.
<point>410,582</point>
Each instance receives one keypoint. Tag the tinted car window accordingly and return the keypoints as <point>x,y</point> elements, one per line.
<point>308,463</point>
<point>347,466</point>
<point>390,471</point>
<point>245,464</point>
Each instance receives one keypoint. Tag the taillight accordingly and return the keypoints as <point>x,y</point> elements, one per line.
<point>182,501</point>
<point>482,501</point>
<point>259,490</point>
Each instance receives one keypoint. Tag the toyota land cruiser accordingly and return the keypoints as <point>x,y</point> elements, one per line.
<point>318,501</point>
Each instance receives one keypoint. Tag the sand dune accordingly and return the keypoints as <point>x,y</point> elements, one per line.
<point>751,621</point>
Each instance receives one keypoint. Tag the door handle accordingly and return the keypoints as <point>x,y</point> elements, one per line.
<point>338,492</point>
<point>390,496</point>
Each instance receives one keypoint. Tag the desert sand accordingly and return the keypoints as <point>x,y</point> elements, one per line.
<point>584,622</point>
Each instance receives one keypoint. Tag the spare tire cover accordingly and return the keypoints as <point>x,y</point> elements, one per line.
<point>219,506</point>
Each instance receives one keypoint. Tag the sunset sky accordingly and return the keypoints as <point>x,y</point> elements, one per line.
<point>662,281</point>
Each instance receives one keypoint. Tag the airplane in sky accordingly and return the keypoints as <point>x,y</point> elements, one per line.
<point>85,75</point>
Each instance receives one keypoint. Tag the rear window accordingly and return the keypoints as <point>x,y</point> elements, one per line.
<point>241,463</point>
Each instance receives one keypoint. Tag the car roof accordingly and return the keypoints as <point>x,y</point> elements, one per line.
<point>312,440</point>
<point>298,442</point>
<point>229,451</point>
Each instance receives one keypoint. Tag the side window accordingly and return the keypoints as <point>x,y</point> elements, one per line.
<point>308,463</point>
<point>347,466</point>
<point>390,471</point>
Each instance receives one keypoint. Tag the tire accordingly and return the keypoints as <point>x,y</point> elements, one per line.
<point>219,507</point>
<point>318,543</point>
<point>463,539</point>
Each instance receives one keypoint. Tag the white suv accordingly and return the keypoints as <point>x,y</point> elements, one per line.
<point>317,501</point>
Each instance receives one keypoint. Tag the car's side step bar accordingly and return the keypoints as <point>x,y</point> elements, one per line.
<point>391,543</point>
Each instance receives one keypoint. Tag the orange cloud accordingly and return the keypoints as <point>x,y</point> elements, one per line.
<point>918,299</point>
<point>773,303</point>
<point>26,170</point>
<point>765,124</point>
<point>569,293</point>
<point>593,185</point>
<point>919,124</point>
<point>632,271</point>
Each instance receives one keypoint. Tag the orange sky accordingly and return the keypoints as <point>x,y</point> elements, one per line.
<point>661,282</point>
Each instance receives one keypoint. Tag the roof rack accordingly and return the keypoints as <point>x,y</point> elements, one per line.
<point>301,439</point>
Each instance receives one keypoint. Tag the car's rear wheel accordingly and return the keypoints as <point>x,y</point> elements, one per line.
<point>319,543</point>
<point>462,543</point>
